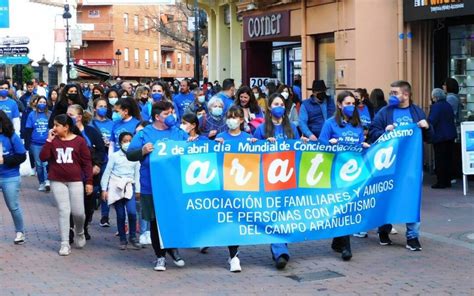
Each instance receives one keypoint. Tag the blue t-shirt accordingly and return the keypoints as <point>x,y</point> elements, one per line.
<point>11,146</point>
<point>182,102</point>
<point>278,132</point>
<point>38,121</point>
<point>10,107</point>
<point>123,126</point>
<point>104,127</point>
<point>242,137</point>
<point>151,135</point>
<point>364,115</point>
<point>402,116</point>
<point>347,134</point>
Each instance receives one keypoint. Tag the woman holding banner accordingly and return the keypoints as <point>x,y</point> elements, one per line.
<point>163,128</point>
<point>277,126</point>
<point>344,127</point>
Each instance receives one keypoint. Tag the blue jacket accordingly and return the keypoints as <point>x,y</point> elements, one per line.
<point>442,119</point>
<point>313,115</point>
<point>385,117</point>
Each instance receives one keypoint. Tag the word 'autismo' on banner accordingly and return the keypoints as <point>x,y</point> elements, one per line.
<point>212,194</point>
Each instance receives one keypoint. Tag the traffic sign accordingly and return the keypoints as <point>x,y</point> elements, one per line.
<point>10,51</point>
<point>14,60</point>
<point>20,40</point>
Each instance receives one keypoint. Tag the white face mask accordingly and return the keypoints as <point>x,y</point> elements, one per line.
<point>125,146</point>
<point>285,95</point>
<point>201,99</point>
<point>184,128</point>
<point>233,123</point>
<point>257,95</point>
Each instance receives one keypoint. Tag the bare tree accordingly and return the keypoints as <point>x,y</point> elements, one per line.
<point>173,25</point>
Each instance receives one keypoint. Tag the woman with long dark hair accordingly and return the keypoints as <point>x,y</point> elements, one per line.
<point>129,118</point>
<point>245,99</point>
<point>377,98</point>
<point>345,127</point>
<point>277,126</point>
<point>12,154</point>
<point>70,164</point>
<point>71,94</point>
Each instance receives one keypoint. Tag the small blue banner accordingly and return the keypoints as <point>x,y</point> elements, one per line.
<point>243,193</point>
<point>4,14</point>
<point>21,60</point>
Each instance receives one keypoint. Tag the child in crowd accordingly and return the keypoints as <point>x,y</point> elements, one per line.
<point>120,176</point>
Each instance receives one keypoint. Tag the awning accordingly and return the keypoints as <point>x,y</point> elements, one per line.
<point>103,76</point>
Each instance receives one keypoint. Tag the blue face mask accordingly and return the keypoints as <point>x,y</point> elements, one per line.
<point>348,110</point>
<point>74,120</point>
<point>157,97</point>
<point>116,116</point>
<point>4,93</point>
<point>41,107</point>
<point>102,112</point>
<point>278,111</point>
<point>170,121</point>
<point>393,101</point>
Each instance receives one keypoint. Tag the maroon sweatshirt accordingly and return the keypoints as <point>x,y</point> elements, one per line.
<point>69,161</point>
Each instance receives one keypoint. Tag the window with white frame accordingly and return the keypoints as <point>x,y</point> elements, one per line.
<point>179,58</point>
<point>135,23</point>
<point>155,58</point>
<point>188,59</point>
<point>125,54</point>
<point>125,22</point>
<point>137,55</point>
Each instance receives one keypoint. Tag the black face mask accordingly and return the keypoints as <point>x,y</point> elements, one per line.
<point>321,96</point>
<point>96,96</point>
<point>72,97</point>
<point>144,100</point>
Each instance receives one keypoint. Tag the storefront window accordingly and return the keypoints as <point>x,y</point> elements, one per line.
<point>462,64</point>
<point>327,62</point>
<point>277,64</point>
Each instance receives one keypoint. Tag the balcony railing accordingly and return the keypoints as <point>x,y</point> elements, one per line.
<point>101,32</point>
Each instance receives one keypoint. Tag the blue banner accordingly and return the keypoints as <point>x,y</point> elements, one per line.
<point>4,14</point>
<point>211,194</point>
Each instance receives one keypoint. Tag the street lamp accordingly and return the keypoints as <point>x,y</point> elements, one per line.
<point>67,15</point>
<point>118,53</point>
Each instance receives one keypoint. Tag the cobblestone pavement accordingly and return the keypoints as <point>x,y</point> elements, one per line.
<point>444,267</point>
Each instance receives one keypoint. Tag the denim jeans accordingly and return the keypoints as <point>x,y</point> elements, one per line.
<point>413,229</point>
<point>11,193</point>
<point>40,166</point>
<point>104,208</point>
<point>279,250</point>
<point>144,225</point>
<point>130,206</point>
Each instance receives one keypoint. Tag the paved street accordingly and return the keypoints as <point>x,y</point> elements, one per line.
<point>444,267</point>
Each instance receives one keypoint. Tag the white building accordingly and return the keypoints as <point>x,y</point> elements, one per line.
<point>39,20</point>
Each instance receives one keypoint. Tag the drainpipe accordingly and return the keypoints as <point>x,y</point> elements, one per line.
<point>409,54</point>
<point>401,37</point>
<point>304,68</point>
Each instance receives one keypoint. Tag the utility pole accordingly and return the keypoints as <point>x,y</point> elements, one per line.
<point>67,15</point>
<point>197,57</point>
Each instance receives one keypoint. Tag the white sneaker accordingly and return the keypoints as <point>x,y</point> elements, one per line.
<point>362,234</point>
<point>33,172</point>
<point>160,264</point>
<point>148,237</point>
<point>42,187</point>
<point>19,238</point>
<point>235,264</point>
<point>143,239</point>
<point>65,249</point>
<point>80,240</point>
<point>393,231</point>
<point>47,185</point>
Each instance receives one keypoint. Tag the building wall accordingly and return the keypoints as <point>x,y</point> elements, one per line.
<point>110,35</point>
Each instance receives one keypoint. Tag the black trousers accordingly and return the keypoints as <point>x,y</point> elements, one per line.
<point>443,161</point>
<point>155,240</point>
<point>342,242</point>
